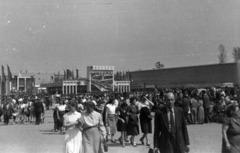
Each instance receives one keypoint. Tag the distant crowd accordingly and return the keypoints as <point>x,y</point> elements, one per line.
<point>121,112</point>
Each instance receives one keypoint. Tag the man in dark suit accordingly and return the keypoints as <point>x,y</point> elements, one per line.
<point>39,108</point>
<point>170,131</point>
<point>206,106</point>
<point>186,103</point>
<point>7,111</point>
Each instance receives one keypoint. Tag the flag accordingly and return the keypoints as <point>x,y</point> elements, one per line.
<point>58,76</point>
<point>73,75</point>
<point>67,74</point>
<point>130,77</point>
<point>3,75</point>
<point>123,76</point>
<point>77,74</point>
<point>116,78</point>
<point>120,76</point>
<point>64,74</point>
<point>9,74</point>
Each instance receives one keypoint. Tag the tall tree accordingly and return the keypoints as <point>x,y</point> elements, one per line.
<point>223,54</point>
<point>236,54</point>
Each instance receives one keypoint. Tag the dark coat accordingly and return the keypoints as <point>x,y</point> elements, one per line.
<point>161,133</point>
<point>206,101</point>
<point>7,111</point>
<point>186,102</point>
<point>38,107</point>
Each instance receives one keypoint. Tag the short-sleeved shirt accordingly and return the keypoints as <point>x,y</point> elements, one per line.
<point>61,107</point>
<point>71,117</point>
<point>111,109</point>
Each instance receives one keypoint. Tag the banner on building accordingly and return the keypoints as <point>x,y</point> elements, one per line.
<point>100,78</point>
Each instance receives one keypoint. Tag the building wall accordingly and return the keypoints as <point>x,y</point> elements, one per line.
<point>196,75</point>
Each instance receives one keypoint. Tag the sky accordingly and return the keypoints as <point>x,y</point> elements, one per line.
<point>50,36</point>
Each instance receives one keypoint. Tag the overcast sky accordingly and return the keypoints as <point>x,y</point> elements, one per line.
<point>52,35</point>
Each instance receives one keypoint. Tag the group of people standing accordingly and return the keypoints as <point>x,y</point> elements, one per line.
<point>22,109</point>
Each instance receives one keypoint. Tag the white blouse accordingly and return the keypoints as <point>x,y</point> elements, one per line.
<point>61,107</point>
<point>111,109</point>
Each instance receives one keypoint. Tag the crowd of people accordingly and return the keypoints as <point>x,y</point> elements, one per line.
<point>22,109</point>
<point>81,117</point>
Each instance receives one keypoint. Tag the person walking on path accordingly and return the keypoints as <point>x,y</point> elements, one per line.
<point>200,110</point>
<point>39,108</point>
<point>231,131</point>
<point>111,122</point>
<point>194,106</point>
<point>55,104</point>
<point>186,106</point>
<point>206,105</point>
<point>122,122</point>
<point>61,108</point>
<point>93,129</point>
<point>7,112</point>
<point>145,118</point>
<point>170,129</point>
<point>73,136</point>
<point>133,121</point>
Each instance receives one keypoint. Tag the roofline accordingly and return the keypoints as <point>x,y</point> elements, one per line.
<point>182,67</point>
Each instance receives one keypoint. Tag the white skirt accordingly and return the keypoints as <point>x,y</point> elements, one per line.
<point>73,141</point>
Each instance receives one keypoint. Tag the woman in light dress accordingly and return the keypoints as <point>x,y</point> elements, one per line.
<point>110,116</point>
<point>73,136</point>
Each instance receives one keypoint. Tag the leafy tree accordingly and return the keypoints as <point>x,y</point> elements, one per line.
<point>223,54</point>
<point>158,65</point>
<point>236,54</point>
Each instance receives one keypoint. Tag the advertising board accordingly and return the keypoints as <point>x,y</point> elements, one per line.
<point>101,78</point>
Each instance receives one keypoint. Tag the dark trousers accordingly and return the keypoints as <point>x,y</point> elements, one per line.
<point>6,119</point>
<point>55,119</point>
<point>175,145</point>
<point>207,115</point>
<point>188,117</point>
<point>38,117</point>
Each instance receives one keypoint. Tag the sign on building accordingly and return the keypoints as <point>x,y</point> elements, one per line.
<point>100,78</point>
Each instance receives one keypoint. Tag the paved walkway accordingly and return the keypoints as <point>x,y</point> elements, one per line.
<point>30,138</point>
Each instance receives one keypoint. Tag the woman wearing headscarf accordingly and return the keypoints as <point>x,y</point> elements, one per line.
<point>145,118</point>
<point>93,129</point>
<point>132,125</point>
<point>231,131</point>
<point>122,122</point>
<point>73,136</point>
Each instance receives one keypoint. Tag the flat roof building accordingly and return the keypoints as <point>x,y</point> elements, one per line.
<point>192,76</point>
